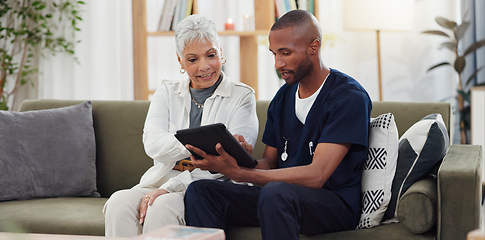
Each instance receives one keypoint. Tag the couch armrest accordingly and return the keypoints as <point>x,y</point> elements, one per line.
<point>459,192</point>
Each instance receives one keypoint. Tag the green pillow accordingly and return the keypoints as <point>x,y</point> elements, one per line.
<point>417,209</point>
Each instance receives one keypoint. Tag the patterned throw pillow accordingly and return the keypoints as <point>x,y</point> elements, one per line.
<point>379,169</point>
<point>421,149</point>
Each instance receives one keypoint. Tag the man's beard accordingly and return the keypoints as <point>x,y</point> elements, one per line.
<point>302,70</point>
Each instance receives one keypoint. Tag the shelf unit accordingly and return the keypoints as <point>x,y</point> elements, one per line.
<point>264,12</point>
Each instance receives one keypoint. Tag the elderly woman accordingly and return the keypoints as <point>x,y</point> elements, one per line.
<point>206,97</point>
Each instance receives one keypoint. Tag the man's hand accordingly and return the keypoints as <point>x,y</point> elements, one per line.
<point>148,201</point>
<point>244,144</point>
<point>224,163</point>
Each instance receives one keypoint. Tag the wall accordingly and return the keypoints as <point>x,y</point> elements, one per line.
<point>104,70</point>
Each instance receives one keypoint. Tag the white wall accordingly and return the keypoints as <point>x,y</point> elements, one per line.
<point>105,69</point>
<point>405,56</point>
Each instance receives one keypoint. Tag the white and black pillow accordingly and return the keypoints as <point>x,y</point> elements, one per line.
<point>421,148</point>
<point>379,169</point>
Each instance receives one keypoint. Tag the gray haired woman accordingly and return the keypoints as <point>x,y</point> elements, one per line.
<point>206,96</point>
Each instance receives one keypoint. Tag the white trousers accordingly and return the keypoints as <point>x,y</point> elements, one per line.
<point>121,212</point>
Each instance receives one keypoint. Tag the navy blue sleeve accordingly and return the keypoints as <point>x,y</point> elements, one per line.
<point>269,137</point>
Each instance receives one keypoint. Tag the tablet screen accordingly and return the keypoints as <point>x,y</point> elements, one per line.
<point>206,137</point>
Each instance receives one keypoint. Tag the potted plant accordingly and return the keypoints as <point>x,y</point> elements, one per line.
<point>453,43</point>
<point>28,29</point>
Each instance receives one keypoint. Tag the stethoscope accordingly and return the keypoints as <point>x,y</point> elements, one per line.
<point>284,155</point>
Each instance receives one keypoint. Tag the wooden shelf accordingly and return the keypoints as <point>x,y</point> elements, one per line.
<point>223,33</point>
<point>264,16</point>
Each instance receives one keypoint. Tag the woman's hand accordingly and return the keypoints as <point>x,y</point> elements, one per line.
<point>148,201</point>
<point>244,144</point>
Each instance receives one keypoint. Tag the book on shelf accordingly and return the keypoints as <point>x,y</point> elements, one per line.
<point>280,8</point>
<point>182,10</point>
<point>302,4</point>
<point>167,15</point>
<point>174,11</point>
<point>311,6</point>
<point>284,6</point>
<point>188,10</point>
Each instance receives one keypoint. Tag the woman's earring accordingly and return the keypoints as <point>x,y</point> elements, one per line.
<point>224,60</point>
<point>182,71</point>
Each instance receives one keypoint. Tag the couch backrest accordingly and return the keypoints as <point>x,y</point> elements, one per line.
<point>405,114</point>
<point>121,158</point>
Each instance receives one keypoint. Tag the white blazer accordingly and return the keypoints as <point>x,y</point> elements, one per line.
<point>232,103</point>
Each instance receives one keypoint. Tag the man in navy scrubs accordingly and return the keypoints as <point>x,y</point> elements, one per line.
<point>316,137</point>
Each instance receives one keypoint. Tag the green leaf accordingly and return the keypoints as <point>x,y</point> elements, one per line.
<point>445,23</point>
<point>464,95</point>
<point>437,32</point>
<point>3,106</point>
<point>449,45</point>
<point>474,47</point>
<point>439,65</point>
<point>461,29</point>
<point>460,63</point>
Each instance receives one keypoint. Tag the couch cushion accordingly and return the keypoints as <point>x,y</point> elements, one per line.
<point>382,232</point>
<point>120,156</point>
<point>47,153</point>
<point>79,216</point>
<point>421,149</point>
<point>379,169</point>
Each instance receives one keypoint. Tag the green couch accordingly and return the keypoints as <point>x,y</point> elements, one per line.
<point>121,161</point>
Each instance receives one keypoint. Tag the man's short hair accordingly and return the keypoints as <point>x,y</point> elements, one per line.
<point>292,18</point>
<point>300,18</point>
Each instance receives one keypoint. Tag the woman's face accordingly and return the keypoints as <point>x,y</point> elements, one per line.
<point>203,63</point>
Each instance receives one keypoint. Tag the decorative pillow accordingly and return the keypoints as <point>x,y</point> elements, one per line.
<point>421,148</point>
<point>47,153</point>
<point>417,209</point>
<point>379,169</point>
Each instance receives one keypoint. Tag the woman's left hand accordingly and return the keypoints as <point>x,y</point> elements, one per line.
<point>148,201</point>
<point>248,147</point>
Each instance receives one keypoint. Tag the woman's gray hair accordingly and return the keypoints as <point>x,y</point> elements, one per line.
<point>195,28</point>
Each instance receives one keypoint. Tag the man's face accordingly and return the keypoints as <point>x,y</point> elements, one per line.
<point>290,54</point>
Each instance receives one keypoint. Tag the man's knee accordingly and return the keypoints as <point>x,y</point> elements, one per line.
<point>196,190</point>
<point>275,191</point>
<point>276,196</point>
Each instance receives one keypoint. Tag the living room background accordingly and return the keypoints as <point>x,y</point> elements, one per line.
<point>104,69</point>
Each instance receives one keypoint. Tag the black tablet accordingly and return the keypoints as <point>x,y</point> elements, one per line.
<point>206,137</point>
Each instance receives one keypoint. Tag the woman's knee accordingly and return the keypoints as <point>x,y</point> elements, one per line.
<point>166,209</point>
<point>122,201</point>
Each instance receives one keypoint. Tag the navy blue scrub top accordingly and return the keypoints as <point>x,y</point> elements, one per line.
<point>340,114</point>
